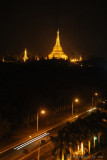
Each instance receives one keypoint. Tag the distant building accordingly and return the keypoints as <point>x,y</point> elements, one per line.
<point>57,50</point>
<point>25,58</point>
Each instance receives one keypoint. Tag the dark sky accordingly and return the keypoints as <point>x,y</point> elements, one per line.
<point>33,24</point>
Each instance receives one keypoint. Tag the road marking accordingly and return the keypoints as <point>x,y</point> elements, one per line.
<point>34,151</point>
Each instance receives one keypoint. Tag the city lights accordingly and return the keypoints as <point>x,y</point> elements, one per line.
<point>53,80</point>
<point>76,100</point>
<point>95,138</point>
<point>90,110</point>
<point>43,112</point>
<point>96,94</point>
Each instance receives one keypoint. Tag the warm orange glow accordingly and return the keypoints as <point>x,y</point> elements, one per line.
<point>37,58</point>
<point>94,141</point>
<point>82,148</point>
<point>96,94</point>
<point>25,58</point>
<point>80,58</point>
<point>57,50</point>
<point>89,147</point>
<point>43,112</point>
<point>76,100</point>
<point>75,59</point>
<point>78,147</point>
<point>3,59</point>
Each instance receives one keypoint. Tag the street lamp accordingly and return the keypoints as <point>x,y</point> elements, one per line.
<point>42,112</point>
<point>95,94</point>
<point>95,138</point>
<point>76,101</point>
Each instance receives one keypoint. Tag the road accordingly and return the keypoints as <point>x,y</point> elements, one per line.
<point>16,152</point>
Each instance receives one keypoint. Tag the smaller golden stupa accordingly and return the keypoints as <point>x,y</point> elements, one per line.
<point>57,50</point>
<point>25,58</point>
<point>36,58</point>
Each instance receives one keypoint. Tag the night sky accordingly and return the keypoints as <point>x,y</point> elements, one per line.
<point>33,25</point>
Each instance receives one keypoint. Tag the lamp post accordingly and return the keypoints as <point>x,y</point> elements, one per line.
<point>42,112</point>
<point>95,95</point>
<point>75,100</point>
<point>94,140</point>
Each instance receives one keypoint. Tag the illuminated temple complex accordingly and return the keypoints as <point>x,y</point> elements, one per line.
<point>57,50</point>
<point>57,53</point>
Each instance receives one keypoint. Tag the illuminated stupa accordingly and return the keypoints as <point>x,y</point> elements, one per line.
<point>57,50</point>
<point>25,58</point>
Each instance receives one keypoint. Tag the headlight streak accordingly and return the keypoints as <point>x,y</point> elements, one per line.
<point>30,141</point>
<point>90,110</point>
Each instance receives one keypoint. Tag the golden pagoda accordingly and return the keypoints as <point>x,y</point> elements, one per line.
<point>25,58</point>
<point>57,50</point>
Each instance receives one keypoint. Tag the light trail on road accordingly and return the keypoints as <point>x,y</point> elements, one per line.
<point>90,110</point>
<point>31,141</point>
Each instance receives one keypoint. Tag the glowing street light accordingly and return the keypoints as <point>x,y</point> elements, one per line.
<point>96,94</point>
<point>42,112</point>
<point>76,101</point>
<point>94,140</point>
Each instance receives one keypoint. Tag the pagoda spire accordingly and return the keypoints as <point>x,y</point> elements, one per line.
<point>57,39</point>
<point>57,50</point>
<point>25,58</point>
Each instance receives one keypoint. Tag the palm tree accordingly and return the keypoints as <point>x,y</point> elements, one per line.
<point>76,133</point>
<point>60,146</point>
